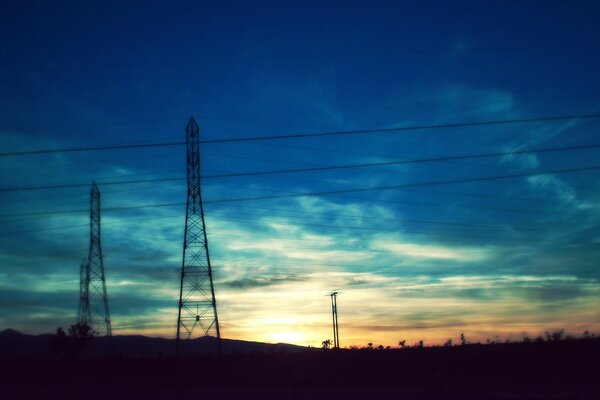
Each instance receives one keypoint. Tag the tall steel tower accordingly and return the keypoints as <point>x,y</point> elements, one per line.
<point>94,300</point>
<point>197,304</point>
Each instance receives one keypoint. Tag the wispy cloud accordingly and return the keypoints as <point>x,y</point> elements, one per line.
<point>414,250</point>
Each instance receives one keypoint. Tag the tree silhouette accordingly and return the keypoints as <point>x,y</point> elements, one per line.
<point>586,335</point>
<point>73,343</point>
<point>555,336</point>
<point>326,344</point>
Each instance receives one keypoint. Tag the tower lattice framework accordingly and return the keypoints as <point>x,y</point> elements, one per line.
<point>93,307</point>
<point>84,301</point>
<point>197,304</point>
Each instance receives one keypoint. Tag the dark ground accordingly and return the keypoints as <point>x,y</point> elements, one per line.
<point>568,369</point>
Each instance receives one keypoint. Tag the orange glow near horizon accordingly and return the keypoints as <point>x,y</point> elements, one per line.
<point>361,336</point>
<point>385,310</point>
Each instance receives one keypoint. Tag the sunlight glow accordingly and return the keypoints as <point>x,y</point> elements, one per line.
<point>286,337</point>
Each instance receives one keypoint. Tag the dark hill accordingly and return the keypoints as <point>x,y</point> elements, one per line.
<point>143,368</point>
<point>14,344</point>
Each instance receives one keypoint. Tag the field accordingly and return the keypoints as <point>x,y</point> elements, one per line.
<point>567,369</point>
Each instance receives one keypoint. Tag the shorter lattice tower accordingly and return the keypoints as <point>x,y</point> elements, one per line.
<point>83,316</point>
<point>93,308</point>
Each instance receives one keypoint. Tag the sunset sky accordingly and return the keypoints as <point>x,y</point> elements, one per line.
<point>490,258</point>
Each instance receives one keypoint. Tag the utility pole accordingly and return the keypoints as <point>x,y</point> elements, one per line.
<point>197,304</point>
<point>334,314</point>
<point>93,307</point>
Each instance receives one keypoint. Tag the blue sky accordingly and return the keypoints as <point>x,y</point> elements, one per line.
<point>490,258</point>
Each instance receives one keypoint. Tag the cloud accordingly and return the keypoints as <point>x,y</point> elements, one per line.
<point>414,250</point>
<point>553,184</point>
<point>525,161</point>
<point>465,101</point>
<point>275,261</point>
<point>259,281</point>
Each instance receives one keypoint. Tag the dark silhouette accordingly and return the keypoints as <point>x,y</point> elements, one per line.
<point>142,368</point>
<point>74,343</point>
<point>555,336</point>
<point>197,311</point>
<point>92,285</point>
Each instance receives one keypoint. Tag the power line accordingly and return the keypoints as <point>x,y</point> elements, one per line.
<point>292,222</point>
<point>279,214</point>
<point>76,211</point>
<point>402,220</point>
<point>106,183</point>
<point>91,148</point>
<point>317,169</point>
<point>411,128</point>
<point>412,190</point>
<point>395,230</point>
<point>408,185</point>
<point>325,193</point>
<point>310,135</point>
<point>404,202</point>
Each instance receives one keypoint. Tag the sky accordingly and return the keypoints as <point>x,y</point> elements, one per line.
<point>490,258</point>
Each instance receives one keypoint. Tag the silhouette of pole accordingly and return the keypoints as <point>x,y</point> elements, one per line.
<point>197,304</point>
<point>93,306</point>
<point>337,326</point>
<point>334,315</point>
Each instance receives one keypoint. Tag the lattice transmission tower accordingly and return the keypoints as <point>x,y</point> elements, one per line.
<point>83,316</point>
<point>197,304</point>
<point>93,303</point>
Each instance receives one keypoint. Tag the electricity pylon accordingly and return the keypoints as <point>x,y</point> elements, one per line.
<point>93,306</point>
<point>197,304</point>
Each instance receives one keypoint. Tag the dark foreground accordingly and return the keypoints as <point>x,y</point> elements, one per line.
<point>548,370</point>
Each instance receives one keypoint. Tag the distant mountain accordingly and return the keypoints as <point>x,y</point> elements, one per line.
<point>17,344</point>
<point>14,344</point>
